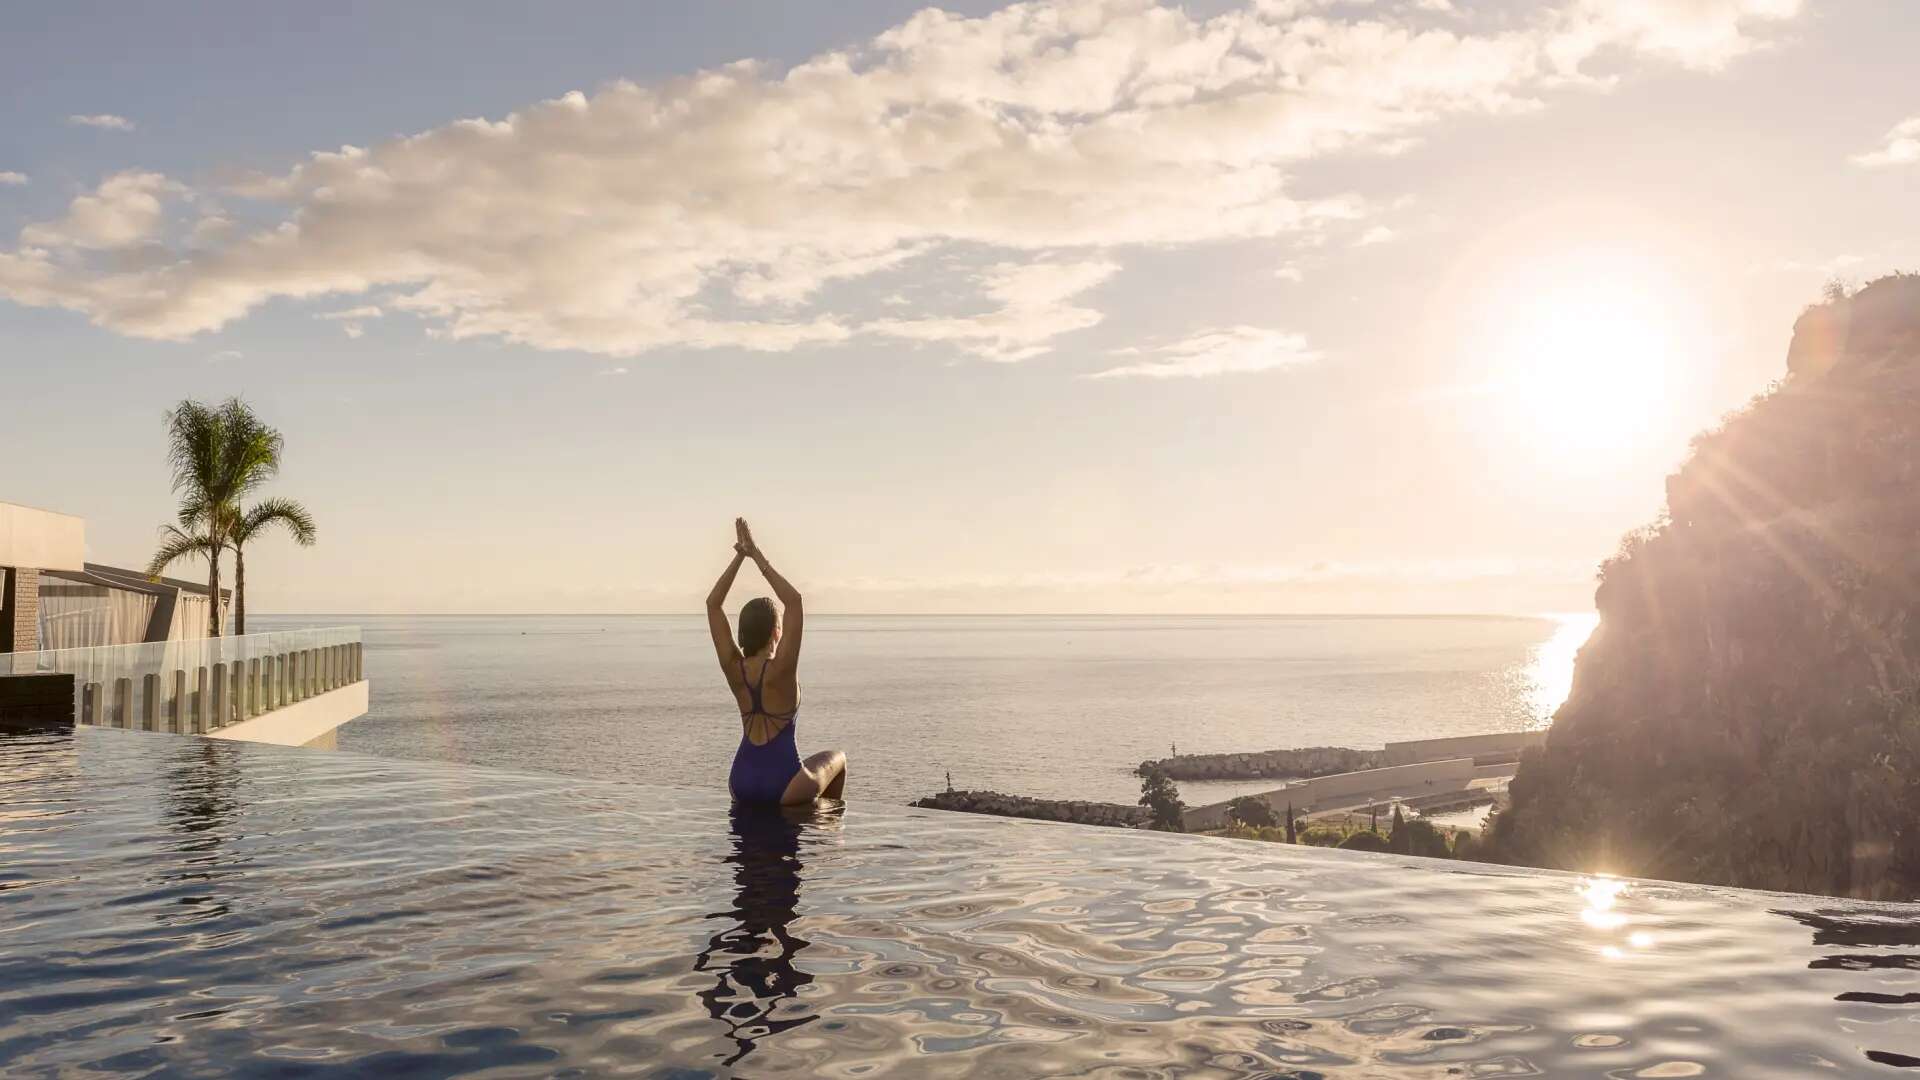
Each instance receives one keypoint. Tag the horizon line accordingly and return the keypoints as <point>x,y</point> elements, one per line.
<point>950,614</point>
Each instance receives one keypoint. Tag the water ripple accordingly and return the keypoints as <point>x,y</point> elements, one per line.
<point>194,907</point>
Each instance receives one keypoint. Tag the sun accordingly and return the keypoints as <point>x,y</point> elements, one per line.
<point>1589,349</point>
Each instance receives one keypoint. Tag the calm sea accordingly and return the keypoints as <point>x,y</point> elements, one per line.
<point>1058,706</point>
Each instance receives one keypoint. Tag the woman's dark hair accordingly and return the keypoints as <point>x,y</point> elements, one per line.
<point>757,620</point>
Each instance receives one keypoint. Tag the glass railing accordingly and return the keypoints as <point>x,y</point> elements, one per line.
<point>200,684</point>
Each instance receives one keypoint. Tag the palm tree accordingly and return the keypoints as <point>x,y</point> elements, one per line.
<point>255,521</point>
<point>176,545</point>
<point>218,455</point>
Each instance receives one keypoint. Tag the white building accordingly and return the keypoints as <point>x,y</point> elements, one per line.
<point>52,598</point>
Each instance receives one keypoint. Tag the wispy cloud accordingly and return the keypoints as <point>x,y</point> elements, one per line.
<point>353,320</point>
<point>1900,146</point>
<point>1048,140</point>
<point>12,179</point>
<point>1379,234</point>
<point>1033,303</point>
<point>1238,350</point>
<point>225,356</point>
<point>108,121</point>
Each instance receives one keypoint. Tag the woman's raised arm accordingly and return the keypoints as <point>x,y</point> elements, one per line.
<point>793,614</point>
<point>723,646</point>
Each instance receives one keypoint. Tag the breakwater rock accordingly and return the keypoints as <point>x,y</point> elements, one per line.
<point>1078,811</point>
<point>1267,764</point>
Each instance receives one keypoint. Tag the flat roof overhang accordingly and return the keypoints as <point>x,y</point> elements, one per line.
<point>41,539</point>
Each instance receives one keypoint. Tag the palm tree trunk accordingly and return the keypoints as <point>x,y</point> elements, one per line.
<point>239,592</point>
<point>213,594</point>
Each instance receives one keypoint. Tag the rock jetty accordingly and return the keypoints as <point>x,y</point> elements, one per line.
<point>1267,764</point>
<point>1078,811</point>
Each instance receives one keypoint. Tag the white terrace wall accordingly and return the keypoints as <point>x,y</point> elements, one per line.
<point>41,539</point>
<point>1348,789</point>
<point>1501,743</point>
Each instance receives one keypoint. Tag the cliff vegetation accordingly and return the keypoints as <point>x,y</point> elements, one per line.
<point>1748,710</point>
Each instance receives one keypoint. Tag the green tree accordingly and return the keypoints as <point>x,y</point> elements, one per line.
<point>1162,799</point>
<point>1293,837</point>
<point>251,523</point>
<point>1364,841</point>
<point>218,455</point>
<point>1399,841</point>
<point>1416,837</point>
<point>1463,846</point>
<point>1252,811</point>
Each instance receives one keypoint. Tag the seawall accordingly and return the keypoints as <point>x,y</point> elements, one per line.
<point>1078,811</point>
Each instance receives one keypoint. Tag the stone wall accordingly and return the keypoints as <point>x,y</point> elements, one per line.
<point>1081,812</point>
<point>1266,764</point>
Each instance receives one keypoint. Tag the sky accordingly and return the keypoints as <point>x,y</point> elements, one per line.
<point>1107,306</point>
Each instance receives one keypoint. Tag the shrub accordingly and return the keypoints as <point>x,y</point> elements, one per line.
<point>1162,800</point>
<point>1252,810</point>
<point>1364,841</point>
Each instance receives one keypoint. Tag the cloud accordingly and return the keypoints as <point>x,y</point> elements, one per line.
<point>125,210</point>
<point>12,179</point>
<point>613,371</point>
<point>1379,234</point>
<point>1701,34</point>
<point>225,356</point>
<point>1033,305</point>
<point>1290,271</point>
<point>107,121</point>
<point>352,320</point>
<point>1044,141</point>
<point>1233,351</point>
<point>1900,146</point>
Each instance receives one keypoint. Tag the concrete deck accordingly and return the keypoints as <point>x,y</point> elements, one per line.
<point>304,723</point>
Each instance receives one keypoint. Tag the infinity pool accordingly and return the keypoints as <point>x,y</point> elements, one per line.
<point>182,906</point>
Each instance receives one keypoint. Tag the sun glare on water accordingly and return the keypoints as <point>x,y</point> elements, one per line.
<point>1550,672</point>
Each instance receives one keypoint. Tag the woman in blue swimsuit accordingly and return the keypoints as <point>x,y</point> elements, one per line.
<point>763,673</point>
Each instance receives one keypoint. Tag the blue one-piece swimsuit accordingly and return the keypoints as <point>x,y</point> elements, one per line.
<point>761,773</point>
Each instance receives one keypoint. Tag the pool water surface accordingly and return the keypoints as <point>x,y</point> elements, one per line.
<point>182,906</point>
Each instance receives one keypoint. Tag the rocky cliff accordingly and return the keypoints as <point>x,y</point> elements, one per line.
<point>1748,711</point>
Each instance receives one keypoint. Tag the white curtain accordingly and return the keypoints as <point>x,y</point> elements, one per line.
<point>189,618</point>
<point>78,613</point>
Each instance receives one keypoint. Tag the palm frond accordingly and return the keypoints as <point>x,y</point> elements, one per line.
<point>218,454</point>
<point>250,449</point>
<point>176,545</point>
<point>276,511</point>
<point>192,446</point>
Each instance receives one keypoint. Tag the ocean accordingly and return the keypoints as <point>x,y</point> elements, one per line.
<point>1053,706</point>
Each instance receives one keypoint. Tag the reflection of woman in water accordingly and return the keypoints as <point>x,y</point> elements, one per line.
<point>748,985</point>
<point>763,673</point>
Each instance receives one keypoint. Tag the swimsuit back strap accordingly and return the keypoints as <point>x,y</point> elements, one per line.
<point>754,689</point>
<point>753,692</point>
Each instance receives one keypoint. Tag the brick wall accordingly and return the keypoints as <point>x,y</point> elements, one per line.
<point>20,610</point>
